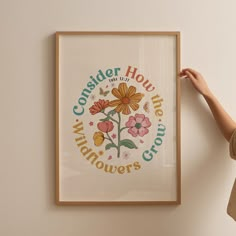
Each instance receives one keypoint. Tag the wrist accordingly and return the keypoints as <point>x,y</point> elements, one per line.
<point>207,93</point>
<point>209,97</point>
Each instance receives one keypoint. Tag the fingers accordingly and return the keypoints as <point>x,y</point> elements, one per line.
<point>183,72</point>
<point>188,73</point>
<point>194,72</point>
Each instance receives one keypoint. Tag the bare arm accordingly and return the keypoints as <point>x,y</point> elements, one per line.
<point>225,123</point>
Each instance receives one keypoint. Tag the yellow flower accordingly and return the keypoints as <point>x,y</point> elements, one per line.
<point>98,138</point>
<point>127,98</point>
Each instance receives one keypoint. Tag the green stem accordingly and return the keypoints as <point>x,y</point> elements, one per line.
<point>109,138</point>
<point>110,117</point>
<point>119,131</point>
<point>123,129</point>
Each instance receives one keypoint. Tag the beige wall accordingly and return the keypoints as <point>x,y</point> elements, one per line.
<point>27,117</point>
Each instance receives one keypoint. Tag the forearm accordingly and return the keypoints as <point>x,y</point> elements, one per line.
<point>223,120</point>
<point>225,123</point>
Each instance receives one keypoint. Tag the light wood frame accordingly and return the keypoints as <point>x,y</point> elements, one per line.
<point>177,201</point>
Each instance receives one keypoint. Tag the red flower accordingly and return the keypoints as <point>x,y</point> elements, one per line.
<point>98,106</point>
<point>105,126</point>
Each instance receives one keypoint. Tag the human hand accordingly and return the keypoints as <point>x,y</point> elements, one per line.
<point>197,80</point>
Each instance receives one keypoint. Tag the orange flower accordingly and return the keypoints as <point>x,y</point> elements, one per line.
<point>99,106</point>
<point>127,98</point>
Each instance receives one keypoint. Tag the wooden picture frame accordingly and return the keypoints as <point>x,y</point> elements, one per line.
<point>118,118</point>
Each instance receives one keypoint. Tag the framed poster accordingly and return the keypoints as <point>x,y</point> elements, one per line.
<point>117,118</point>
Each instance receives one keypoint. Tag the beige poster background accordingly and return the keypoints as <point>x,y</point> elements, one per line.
<point>153,57</point>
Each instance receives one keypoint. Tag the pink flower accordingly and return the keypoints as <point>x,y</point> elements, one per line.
<point>126,155</point>
<point>105,126</point>
<point>138,125</point>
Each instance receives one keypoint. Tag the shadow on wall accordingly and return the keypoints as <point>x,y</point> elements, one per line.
<point>49,65</point>
<point>205,156</point>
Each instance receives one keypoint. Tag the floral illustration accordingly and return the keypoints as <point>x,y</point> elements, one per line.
<point>93,97</point>
<point>99,106</point>
<point>98,138</point>
<point>138,125</point>
<point>105,126</point>
<point>126,155</point>
<point>127,100</point>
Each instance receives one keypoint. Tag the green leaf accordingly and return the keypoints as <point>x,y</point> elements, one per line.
<point>111,113</point>
<point>105,119</point>
<point>110,145</point>
<point>128,143</point>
